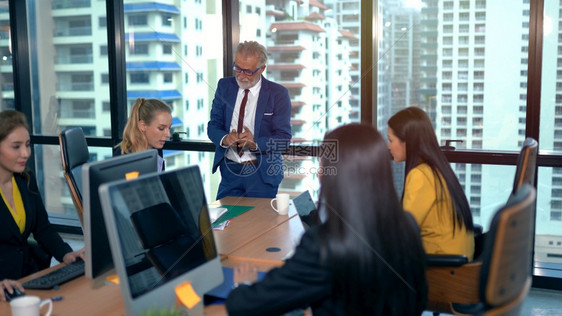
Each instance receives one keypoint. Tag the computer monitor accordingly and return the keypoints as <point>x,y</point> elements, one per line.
<point>98,252</point>
<point>161,236</point>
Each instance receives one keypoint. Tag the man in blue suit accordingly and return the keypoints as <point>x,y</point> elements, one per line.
<point>250,126</point>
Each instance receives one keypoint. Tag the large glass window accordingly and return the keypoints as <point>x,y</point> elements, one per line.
<point>463,102</point>
<point>480,96</point>
<point>548,249</point>
<point>451,58</point>
<point>66,85</point>
<point>6,69</point>
<point>314,51</point>
<point>414,41</point>
<point>160,52</point>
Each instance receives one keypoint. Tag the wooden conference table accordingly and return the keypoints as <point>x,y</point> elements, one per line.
<point>246,238</point>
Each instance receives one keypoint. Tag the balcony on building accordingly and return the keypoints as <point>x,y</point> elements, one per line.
<point>150,7</point>
<point>70,4</point>
<point>296,107</point>
<point>74,54</point>
<point>277,12</point>
<point>165,95</point>
<point>78,81</point>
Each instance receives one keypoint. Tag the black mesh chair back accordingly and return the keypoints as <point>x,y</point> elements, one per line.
<point>74,154</point>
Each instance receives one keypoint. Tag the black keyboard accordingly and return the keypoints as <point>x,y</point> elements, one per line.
<point>57,277</point>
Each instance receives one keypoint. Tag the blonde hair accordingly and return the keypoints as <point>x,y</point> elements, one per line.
<point>143,110</point>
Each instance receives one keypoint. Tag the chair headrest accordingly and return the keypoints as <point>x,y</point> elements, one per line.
<point>526,164</point>
<point>74,147</point>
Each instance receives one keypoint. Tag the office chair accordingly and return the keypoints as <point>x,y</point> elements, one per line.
<point>164,234</point>
<point>525,171</point>
<point>74,153</point>
<point>526,164</point>
<point>497,282</point>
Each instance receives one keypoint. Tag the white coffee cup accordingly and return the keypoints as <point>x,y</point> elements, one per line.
<point>29,305</point>
<point>282,200</point>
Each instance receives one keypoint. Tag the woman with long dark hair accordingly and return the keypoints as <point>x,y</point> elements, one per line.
<point>432,192</point>
<point>22,211</point>
<point>365,259</point>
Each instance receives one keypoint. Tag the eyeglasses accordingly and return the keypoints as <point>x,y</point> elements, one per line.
<point>247,72</point>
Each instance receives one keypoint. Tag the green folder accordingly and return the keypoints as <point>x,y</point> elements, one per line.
<point>232,212</point>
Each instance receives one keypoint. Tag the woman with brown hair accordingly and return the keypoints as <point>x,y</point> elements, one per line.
<point>22,211</point>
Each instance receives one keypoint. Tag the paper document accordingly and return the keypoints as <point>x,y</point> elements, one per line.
<point>216,212</point>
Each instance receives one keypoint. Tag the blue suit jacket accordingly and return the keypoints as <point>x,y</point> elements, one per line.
<point>272,129</point>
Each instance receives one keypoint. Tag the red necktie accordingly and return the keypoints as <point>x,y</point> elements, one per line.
<point>241,118</point>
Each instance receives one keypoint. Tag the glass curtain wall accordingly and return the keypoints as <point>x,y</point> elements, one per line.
<point>167,57</point>
<point>174,53</point>
<point>6,69</point>
<point>448,58</point>
<point>548,241</point>
<point>451,58</point>
<point>69,86</point>
<point>469,73</point>
<point>313,50</point>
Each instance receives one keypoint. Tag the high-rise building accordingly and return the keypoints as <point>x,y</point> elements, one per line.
<point>164,60</point>
<point>466,58</point>
<point>346,14</point>
<point>309,54</point>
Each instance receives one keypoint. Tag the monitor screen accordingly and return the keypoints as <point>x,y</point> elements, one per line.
<point>161,236</point>
<point>98,253</point>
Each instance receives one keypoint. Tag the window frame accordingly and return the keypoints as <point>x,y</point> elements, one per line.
<point>118,102</point>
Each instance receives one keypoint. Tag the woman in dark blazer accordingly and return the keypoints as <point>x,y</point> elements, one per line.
<point>22,212</point>
<point>365,259</point>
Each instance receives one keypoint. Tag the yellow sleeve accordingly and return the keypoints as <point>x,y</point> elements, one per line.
<point>419,194</point>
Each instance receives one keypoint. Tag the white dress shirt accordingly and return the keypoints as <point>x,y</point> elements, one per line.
<point>249,121</point>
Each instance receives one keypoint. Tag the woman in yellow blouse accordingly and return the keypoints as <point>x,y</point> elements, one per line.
<point>22,211</point>
<point>432,192</point>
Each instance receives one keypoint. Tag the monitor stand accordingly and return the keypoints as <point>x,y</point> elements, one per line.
<point>197,310</point>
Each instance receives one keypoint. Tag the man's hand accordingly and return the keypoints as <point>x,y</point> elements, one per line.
<point>231,139</point>
<point>246,139</point>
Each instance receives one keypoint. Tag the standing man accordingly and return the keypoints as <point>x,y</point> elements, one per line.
<point>250,126</point>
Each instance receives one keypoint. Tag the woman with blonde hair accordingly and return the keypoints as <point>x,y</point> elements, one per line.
<point>148,127</point>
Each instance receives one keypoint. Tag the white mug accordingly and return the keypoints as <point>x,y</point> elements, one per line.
<point>282,203</point>
<point>29,305</point>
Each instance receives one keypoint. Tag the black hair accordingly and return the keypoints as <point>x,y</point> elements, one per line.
<point>412,126</point>
<point>372,246</point>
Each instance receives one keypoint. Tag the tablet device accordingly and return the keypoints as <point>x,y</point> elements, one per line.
<point>306,209</point>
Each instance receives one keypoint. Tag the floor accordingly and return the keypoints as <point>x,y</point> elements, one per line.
<point>539,302</point>
<point>542,302</point>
